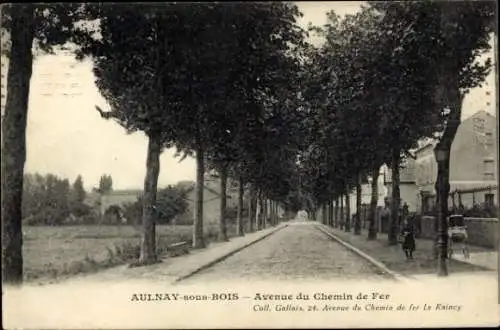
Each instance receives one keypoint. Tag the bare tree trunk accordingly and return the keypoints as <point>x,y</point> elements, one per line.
<point>276,215</point>
<point>342,219</point>
<point>222,206</point>
<point>336,219</point>
<point>258,210</point>
<point>324,215</point>
<point>330,213</point>
<point>266,216</point>
<point>260,217</point>
<point>272,212</point>
<point>357,224</point>
<point>276,212</point>
<point>347,210</point>
<point>239,218</point>
<point>395,201</point>
<point>327,213</point>
<point>14,141</point>
<point>372,231</point>
<point>442,153</point>
<point>252,210</point>
<point>148,234</point>
<point>198,239</point>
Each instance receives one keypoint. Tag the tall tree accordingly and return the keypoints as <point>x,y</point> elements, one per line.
<point>77,198</point>
<point>13,140</point>
<point>42,25</point>
<point>134,82</point>
<point>105,184</point>
<point>448,38</point>
<point>464,32</point>
<point>357,223</point>
<point>78,190</point>
<point>239,217</point>
<point>372,231</point>
<point>239,59</point>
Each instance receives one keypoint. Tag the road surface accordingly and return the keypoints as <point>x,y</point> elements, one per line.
<point>299,251</point>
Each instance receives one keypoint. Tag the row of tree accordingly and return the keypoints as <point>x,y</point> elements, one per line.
<point>240,89</point>
<point>50,200</point>
<point>222,87</point>
<point>386,77</point>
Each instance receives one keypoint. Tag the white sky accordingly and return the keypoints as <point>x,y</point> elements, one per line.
<point>67,137</point>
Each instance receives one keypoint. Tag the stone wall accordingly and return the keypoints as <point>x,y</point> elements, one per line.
<point>481,231</point>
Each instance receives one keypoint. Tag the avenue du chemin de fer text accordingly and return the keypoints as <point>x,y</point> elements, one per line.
<point>304,302</point>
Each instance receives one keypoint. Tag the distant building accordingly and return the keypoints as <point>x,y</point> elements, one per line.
<point>366,193</point>
<point>472,162</point>
<point>472,166</point>
<point>211,196</point>
<point>115,198</point>
<point>211,200</point>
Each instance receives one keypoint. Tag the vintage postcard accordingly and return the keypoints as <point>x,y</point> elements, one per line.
<point>250,165</point>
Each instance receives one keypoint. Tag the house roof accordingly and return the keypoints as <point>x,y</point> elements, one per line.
<point>432,142</point>
<point>92,197</point>
<point>190,185</point>
<point>126,192</point>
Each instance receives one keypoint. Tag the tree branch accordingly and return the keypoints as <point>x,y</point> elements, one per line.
<point>409,154</point>
<point>105,114</point>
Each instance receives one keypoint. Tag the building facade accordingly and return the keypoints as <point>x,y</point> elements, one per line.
<point>366,193</point>
<point>472,163</point>
<point>211,201</point>
<point>473,167</point>
<point>114,199</point>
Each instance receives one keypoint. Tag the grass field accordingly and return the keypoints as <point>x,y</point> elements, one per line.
<point>52,252</point>
<point>57,251</point>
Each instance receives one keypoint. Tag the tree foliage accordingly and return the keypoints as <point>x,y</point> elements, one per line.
<point>402,65</point>
<point>197,85</point>
<point>105,184</point>
<point>78,194</point>
<point>171,202</point>
<point>50,200</point>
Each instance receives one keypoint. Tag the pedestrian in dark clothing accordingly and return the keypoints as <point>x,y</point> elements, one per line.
<point>407,239</point>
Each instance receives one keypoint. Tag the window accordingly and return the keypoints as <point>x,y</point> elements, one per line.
<point>489,138</point>
<point>489,176</point>
<point>489,199</point>
<point>478,124</point>
<point>488,166</point>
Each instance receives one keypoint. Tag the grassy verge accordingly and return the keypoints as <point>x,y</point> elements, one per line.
<point>60,252</point>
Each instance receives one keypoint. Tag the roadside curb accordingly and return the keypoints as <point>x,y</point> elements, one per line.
<point>228,254</point>
<point>395,275</point>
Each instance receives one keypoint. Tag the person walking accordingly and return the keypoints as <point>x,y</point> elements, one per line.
<point>407,239</point>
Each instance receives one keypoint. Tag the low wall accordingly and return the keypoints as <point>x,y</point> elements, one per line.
<point>481,231</point>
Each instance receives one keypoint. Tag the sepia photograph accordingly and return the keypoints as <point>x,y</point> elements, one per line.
<point>211,165</point>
